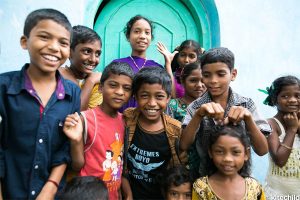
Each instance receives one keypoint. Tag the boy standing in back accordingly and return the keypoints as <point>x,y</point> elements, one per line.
<point>33,104</point>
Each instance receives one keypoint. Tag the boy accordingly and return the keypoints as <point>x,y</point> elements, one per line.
<point>33,104</point>
<point>219,104</point>
<point>151,141</point>
<point>84,58</point>
<point>97,136</point>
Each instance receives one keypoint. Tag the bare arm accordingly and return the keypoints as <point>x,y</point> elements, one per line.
<point>49,190</point>
<point>73,129</point>
<point>280,153</point>
<point>126,189</point>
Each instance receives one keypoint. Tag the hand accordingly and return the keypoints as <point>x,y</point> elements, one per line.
<point>291,121</point>
<point>48,192</point>
<point>165,52</point>
<point>237,114</point>
<point>94,77</point>
<point>213,110</point>
<point>73,127</point>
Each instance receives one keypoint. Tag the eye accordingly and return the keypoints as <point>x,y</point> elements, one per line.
<point>192,56</point>
<point>174,194</point>
<point>86,51</point>
<point>148,33</point>
<point>43,37</point>
<point>112,85</point>
<point>188,195</point>
<point>222,74</point>
<point>64,43</point>
<point>127,88</point>
<point>237,152</point>
<point>98,53</point>
<point>205,75</point>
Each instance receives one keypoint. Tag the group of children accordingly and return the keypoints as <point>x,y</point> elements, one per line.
<point>137,130</point>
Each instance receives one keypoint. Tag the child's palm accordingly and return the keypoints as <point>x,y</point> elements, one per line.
<point>291,121</point>
<point>73,127</point>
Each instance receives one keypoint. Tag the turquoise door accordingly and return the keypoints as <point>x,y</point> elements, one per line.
<point>174,22</point>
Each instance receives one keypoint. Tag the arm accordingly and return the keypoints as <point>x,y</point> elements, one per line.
<point>213,110</point>
<point>87,89</point>
<point>49,190</point>
<point>278,152</point>
<point>73,129</point>
<point>126,189</point>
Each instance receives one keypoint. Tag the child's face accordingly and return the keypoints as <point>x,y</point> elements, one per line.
<point>152,100</point>
<point>48,46</point>
<point>186,56</point>
<point>288,99</point>
<point>116,91</point>
<point>182,192</point>
<point>140,36</point>
<point>193,85</point>
<point>217,77</point>
<point>228,155</point>
<point>85,57</point>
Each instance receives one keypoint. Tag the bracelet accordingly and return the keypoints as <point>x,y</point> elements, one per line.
<point>286,146</point>
<point>54,182</point>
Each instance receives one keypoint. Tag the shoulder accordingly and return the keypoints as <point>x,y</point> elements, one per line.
<point>153,63</point>
<point>201,186</point>
<point>70,86</point>
<point>172,122</point>
<point>7,77</point>
<point>125,59</point>
<point>253,185</point>
<point>241,100</point>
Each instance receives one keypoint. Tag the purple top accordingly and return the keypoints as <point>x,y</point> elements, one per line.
<point>136,65</point>
<point>178,86</point>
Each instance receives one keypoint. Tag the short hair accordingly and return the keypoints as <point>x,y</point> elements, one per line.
<point>36,16</point>
<point>186,44</point>
<point>220,54</point>
<point>187,70</point>
<point>174,176</point>
<point>237,131</point>
<point>277,86</point>
<point>85,187</point>
<point>117,68</point>
<point>152,75</point>
<point>83,34</point>
<point>130,23</point>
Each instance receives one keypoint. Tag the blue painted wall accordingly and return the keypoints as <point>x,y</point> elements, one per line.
<point>264,35</point>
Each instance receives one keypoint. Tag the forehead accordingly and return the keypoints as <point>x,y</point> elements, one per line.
<point>188,50</point>
<point>228,141</point>
<point>51,27</point>
<point>95,44</point>
<point>215,67</point>
<point>121,79</point>
<point>290,88</point>
<point>184,187</point>
<point>155,87</point>
<point>141,24</point>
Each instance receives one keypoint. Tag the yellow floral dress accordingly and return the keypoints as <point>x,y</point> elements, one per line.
<point>203,191</point>
<point>96,97</point>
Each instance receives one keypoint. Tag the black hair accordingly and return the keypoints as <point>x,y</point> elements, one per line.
<point>36,16</point>
<point>85,187</point>
<point>187,70</point>
<point>220,54</point>
<point>130,23</point>
<point>277,86</point>
<point>117,68</point>
<point>174,176</point>
<point>237,131</point>
<point>83,34</point>
<point>186,44</point>
<point>152,75</point>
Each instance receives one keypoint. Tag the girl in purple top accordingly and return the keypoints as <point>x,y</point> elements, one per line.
<point>139,33</point>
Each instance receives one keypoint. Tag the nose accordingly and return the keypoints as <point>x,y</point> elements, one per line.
<point>293,99</point>
<point>93,58</point>
<point>53,45</point>
<point>186,59</point>
<point>227,158</point>
<point>152,102</point>
<point>120,91</point>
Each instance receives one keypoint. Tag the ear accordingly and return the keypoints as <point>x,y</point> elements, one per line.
<point>169,98</point>
<point>247,154</point>
<point>23,42</point>
<point>209,153</point>
<point>71,53</point>
<point>233,74</point>
<point>100,88</point>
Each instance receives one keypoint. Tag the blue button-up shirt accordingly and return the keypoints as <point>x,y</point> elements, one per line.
<point>32,141</point>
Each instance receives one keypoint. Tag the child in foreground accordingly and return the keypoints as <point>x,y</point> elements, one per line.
<point>228,168</point>
<point>283,176</point>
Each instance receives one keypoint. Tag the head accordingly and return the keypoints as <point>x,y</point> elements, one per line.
<point>85,187</point>
<point>152,90</point>
<point>139,32</point>
<point>176,183</point>
<point>191,79</point>
<point>47,36</point>
<point>229,151</point>
<point>218,71</point>
<point>86,47</point>
<point>284,93</point>
<point>188,52</point>
<point>116,84</point>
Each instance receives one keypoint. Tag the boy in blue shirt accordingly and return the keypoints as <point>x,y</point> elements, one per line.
<point>33,104</point>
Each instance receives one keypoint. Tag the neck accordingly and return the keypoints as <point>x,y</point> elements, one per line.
<point>151,126</point>
<point>141,54</point>
<point>76,73</point>
<point>220,176</point>
<point>108,110</point>
<point>40,76</point>
<point>221,99</point>
<point>187,99</point>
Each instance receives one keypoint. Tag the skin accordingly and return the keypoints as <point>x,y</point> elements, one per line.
<point>288,106</point>
<point>217,77</point>
<point>140,38</point>
<point>229,156</point>
<point>84,58</point>
<point>181,192</point>
<point>186,56</point>
<point>48,45</point>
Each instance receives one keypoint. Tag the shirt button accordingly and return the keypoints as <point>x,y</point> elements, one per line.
<point>60,95</point>
<point>36,167</point>
<point>41,141</point>
<point>33,192</point>
<point>31,91</point>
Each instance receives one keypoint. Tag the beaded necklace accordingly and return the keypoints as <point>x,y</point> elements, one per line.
<point>139,68</point>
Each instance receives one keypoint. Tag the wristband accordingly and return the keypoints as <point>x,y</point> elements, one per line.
<point>54,182</point>
<point>286,146</point>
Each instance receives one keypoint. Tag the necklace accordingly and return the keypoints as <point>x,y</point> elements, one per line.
<point>139,68</point>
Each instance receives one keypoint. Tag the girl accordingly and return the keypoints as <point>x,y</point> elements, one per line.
<point>84,58</point>
<point>177,184</point>
<point>188,52</point>
<point>284,143</point>
<point>229,167</point>
<point>139,33</point>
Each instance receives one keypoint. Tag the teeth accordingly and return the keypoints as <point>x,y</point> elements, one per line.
<point>152,111</point>
<point>88,66</point>
<point>51,58</point>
